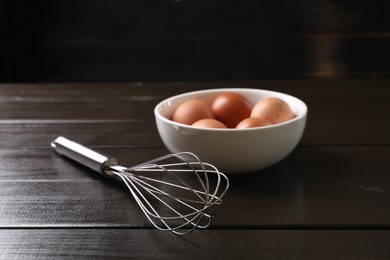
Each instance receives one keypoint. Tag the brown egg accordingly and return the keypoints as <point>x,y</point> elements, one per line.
<point>253,122</point>
<point>209,123</point>
<point>274,110</point>
<point>231,108</point>
<point>191,111</point>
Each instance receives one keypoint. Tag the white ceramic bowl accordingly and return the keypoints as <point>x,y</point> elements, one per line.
<point>232,151</point>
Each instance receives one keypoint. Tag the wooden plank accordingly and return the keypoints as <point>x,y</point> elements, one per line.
<point>161,19</point>
<point>146,91</point>
<point>102,60</point>
<point>192,40</point>
<point>118,133</point>
<point>4,66</point>
<point>142,134</point>
<point>315,187</point>
<point>44,164</point>
<point>226,244</point>
<point>345,112</point>
<point>325,99</point>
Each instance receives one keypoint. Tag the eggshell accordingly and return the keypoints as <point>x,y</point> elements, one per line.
<point>253,122</point>
<point>209,123</point>
<point>191,111</point>
<point>273,109</point>
<point>231,108</point>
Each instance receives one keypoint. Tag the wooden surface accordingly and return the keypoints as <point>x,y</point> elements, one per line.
<point>328,200</point>
<point>149,40</point>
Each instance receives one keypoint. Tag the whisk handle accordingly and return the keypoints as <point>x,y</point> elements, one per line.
<point>84,155</point>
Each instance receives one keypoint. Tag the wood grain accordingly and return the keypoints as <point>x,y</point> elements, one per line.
<point>143,40</point>
<point>328,199</point>
<point>209,244</point>
<point>315,187</point>
<point>351,111</point>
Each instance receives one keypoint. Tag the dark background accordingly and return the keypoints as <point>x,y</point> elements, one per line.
<point>161,40</point>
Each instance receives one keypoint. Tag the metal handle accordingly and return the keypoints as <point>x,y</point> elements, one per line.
<point>84,155</point>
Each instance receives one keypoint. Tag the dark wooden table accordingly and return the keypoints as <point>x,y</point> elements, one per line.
<point>330,199</point>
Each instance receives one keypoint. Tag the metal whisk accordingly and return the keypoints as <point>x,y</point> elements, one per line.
<point>173,191</point>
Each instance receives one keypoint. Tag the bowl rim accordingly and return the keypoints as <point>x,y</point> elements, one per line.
<point>158,115</point>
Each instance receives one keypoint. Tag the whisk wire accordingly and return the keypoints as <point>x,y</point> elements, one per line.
<point>211,169</point>
<point>130,186</point>
<point>140,199</point>
<point>216,199</point>
<point>185,162</point>
<point>193,218</point>
<point>190,220</point>
<point>154,190</point>
<point>171,170</point>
